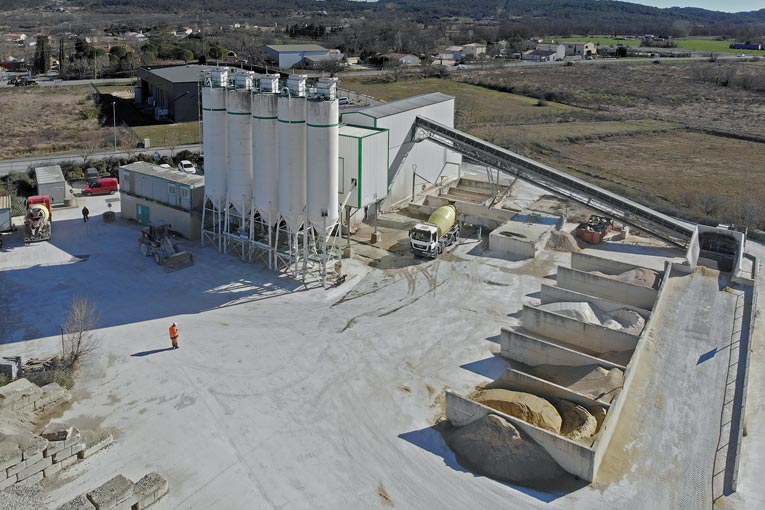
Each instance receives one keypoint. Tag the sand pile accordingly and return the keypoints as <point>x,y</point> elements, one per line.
<point>562,241</point>
<point>622,319</point>
<point>593,381</point>
<point>493,447</point>
<point>578,423</point>
<point>525,406</point>
<point>637,276</point>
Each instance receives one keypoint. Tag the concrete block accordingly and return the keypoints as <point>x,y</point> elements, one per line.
<point>73,440</point>
<point>53,447</point>
<point>33,469</point>
<point>34,459</point>
<point>150,489</point>
<point>78,448</point>
<point>63,454</point>
<point>15,470</point>
<point>10,455</point>
<point>94,441</point>
<point>52,470</point>
<point>8,482</point>
<point>113,492</point>
<point>19,394</point>
<point>68,462</point>
<point>30,444</point>
<point>35,478</point>
<point>57,431</point>
<point>81,502</point>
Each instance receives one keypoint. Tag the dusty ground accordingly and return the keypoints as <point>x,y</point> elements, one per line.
<point>38,120</point>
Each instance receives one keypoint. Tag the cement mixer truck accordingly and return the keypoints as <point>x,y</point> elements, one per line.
<point>432,238</point>
<point>38,221</point>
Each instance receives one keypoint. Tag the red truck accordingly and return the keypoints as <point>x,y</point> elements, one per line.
<point>38,222</point>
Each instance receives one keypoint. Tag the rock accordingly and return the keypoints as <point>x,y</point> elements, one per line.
<point>525,406</point>
<point>493,447</point>
<point>578,423</point>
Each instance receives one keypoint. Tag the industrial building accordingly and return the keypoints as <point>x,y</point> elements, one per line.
<point>50,181</point>
<point>286,56</point>
<point>6,213</point>
<point>283,169</point>
<point>170,92</point>
<point>152,193</point>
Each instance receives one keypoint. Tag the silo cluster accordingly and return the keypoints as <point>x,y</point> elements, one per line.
<point>271,158</point>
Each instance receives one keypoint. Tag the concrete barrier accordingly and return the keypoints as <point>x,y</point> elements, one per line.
<point>571,456</point>
<point>586,262</point>
<point>555,294</point>
<point>515,380</point>
<point>606,288</point>
<point>612,418</point>
<point>591,338</point>
<point>525,348</point>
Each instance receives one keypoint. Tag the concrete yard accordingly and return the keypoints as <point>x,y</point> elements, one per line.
<point>283,396</point>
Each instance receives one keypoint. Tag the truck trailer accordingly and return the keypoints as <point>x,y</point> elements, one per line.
<point>432,238</point>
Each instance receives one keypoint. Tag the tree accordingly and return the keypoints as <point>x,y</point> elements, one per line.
<point>61,56</point>
<point>42,55</point>
<point>79,340</point>
<point>621,51</point>
<point>331,66</point>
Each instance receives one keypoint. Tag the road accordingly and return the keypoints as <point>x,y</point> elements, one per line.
<point>22,164</point>
<point>43,82</point>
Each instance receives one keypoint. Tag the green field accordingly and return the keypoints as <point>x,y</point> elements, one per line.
<point>170,135</point>
<point>693,44</point>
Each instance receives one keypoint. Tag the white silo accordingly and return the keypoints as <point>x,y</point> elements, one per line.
<point>265,150</point>
<point>292,153</point>
<point>322,127</point>
<point>214,144</point>
<point>239,119</point>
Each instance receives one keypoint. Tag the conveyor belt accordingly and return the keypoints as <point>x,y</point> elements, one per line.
<point>558,183</point>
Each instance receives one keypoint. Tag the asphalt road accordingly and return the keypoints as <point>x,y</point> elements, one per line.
<point>22,164</point>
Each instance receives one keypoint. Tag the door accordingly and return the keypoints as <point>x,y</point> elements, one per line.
<point>59,193</point>
<point>142,214</point>
<point>172,194</point>
<point>186,198</point>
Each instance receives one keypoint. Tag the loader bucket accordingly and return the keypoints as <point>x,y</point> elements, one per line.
<point>179,260</point>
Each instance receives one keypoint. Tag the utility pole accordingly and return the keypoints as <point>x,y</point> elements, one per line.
<point>114,120</point>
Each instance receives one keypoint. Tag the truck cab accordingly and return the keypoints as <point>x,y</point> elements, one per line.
<point>423,239</point>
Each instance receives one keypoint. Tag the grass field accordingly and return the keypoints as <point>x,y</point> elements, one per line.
<point>170,135</point>
<point>693,44</point>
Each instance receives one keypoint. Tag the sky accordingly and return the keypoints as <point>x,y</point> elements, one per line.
<point>712,5</point>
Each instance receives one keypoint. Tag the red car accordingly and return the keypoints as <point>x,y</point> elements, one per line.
<point>102,186</point>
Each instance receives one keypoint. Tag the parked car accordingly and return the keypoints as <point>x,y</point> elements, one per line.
<point>343,100</point>
<point>165,165</point>
<point>91,175</point>
<point>102,186</point>
<point>742,55</point>
<point>187,166</point>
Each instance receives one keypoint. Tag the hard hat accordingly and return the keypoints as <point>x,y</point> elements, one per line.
<point>175,324</point>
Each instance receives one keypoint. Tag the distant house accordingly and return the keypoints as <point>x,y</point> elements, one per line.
<point>316,62</point>
<point>455,52</point>
<point>540,56</point>
<point>558,50</point>
<point>286,56</point>
<point>473,50</point>
<point>404,59</point>
<point>579,49</point>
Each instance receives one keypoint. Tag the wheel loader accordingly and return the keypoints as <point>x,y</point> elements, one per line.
<point>157,241</point>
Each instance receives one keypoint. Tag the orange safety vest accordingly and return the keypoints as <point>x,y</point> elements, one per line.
<point>174,334</point>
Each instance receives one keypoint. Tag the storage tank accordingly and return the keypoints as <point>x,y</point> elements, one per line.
<point>443,218</point>
<point>214,138</point>
<point>322,126</point>
<point>292,156</point>
<point>239,116</point>
<point>265,155</point>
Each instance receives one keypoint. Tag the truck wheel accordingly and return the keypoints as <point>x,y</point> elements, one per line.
<point>145,250</point>
<point>158,258</point>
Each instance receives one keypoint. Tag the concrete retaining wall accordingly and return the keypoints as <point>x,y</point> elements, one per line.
<point>555,294</point>
<point>694,249</point>
<point>530,350</point>
<point>585,262</point>
<point>612,418</point>
<point>606,288</point>
<point>591,338</point>
<point>576,459</point>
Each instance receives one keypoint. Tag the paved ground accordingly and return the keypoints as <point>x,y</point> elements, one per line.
<point>286,397</point>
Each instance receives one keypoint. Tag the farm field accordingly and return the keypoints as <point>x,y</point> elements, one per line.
<point>690,43</point>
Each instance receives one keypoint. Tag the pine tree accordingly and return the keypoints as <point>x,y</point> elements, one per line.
<point>61,56</point>
<point>42,55</point>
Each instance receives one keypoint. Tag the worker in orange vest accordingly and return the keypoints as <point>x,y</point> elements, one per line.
<point>174,335</point>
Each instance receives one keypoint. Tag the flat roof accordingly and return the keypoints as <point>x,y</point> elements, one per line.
<point>296,47</point>
<point>169,174</point>
<point>48,174</point>
<point>357,131</point>
<point>180,74</point>
<point>404,105</point>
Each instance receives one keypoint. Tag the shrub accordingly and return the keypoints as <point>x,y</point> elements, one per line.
<point>4,379</point>
<point>89,113</point>
<point>63,376</point>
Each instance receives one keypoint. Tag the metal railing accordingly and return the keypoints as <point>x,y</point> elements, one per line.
<point>667,228</point>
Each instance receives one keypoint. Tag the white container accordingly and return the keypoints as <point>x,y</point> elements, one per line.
<point>292,160</point>
<point>265,155</point>
<point>239,117</point>
<point>219,77</point>
<point>322,125</point>
<point>269,83</point>
<point>296,84</point>
<point>327,88</point>
<point>244,79</point>
<point>214,143</point>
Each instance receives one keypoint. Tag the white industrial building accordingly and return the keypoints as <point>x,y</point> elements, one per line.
<point>284,170</point>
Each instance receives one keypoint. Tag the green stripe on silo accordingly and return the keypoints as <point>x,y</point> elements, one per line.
<point>358,181</point>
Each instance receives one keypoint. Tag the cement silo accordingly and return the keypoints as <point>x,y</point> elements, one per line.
<point>214,144</point>
<point>292,152</point>
<point>265,149</point>
<point>322,126</point>
<point>239,119</point>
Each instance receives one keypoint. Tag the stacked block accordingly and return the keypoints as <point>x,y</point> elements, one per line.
<point>120,493</point>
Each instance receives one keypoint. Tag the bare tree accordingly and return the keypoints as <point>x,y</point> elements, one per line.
<point>89,145</point>
<point>79,340</point>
